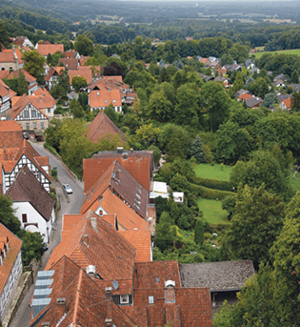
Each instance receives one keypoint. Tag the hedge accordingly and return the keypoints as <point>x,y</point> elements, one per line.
<point>51,149</point>
<point>208,193</point>
<point>215,184</point>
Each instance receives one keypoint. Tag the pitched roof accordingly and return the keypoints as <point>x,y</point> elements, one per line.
<point>4,90</point>
<point>118,179</point>
<point>69,63</point>
<point>53,71</point>
<point>8,55</point>
<point>138,163</point>
<point>101,126</point>
<point>217,276</point>
<point>141,240</point>
<point>104,97</point>
<point>11,135</point>
<point>253,101</point>
<point>81,71</point>
<point>45,48</point>
<point>14,244</point>
<point>26,188</point>
<point>86,304</point>
<point>39,103</point>
<point>93,241</point>
<point>109,82</point>
<point>245,96</point>
<point>29,78</point>
<point>287,102</point>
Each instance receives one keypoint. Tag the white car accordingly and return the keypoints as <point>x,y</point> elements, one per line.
<point>68,188</point>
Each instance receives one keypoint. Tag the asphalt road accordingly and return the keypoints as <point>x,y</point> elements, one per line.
<point>70,204</point>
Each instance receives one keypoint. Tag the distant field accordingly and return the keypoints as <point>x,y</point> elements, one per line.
<point>293,51</point>
<point>216,171</point>
<point>213,211</point>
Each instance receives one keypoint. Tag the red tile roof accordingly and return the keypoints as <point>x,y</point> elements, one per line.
<point>14,244</point>
<point>101,126</point>
<point>7,55</point>
<point>139,164</point>
<point>245,96</point>
<point>141,240</point>
<point>86,304</point>
<point>81,71</point>
<point>53,71</point>
<point>287,103</point>
<point>104,97</point>
<point>120,181</point>
<point>15,74</point>
<point>45,48</point>
<point>69,63</point>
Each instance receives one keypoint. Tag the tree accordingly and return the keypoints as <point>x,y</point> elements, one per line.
<point>147,134</point>
<point>3,35</point>
<point>156,154</point>
<point>79,82</point>
<point>257,221</point>
<point>179,183</point>
<point>114,69</point>
<point>83,45</point>
<point>7,217</point>
<point>76,109</point>
<point>159,107</point>
<point>34,64</point>
<point>74,145</point>
<point>49,59</point>
<point>228,204</point>
<point>22,84</point>
<point>215,103</point>
<point>83,99</point>
<point>239,82</point>
<point>295,77</point>
<point>175,141</point>
<point>199,232</point>
<point>53,133</point>
<point>295,102</point>
<point>286,262</point>
<point>197,151</point>
<point>163,235</point>
<point>269,100</point>
<point>262,168</point>
<point>32,247</point>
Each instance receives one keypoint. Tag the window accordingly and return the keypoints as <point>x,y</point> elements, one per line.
<point>24,217</point>
<point>101,213</point>
<point>42,124</point>
<point>48,110</point>
<point>26,113</point>
<point>114,101</point>
<point>34,125</point>
<point>151,299</point>
<point>33,113</point>
<point>105,101</point>
<point>39,114</point>
<point>124,299</point>
<point>27,125</point>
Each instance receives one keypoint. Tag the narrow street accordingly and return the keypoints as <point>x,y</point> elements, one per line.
<point>70,204</point>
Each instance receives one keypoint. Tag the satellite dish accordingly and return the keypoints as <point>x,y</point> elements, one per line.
<point>115,285</point>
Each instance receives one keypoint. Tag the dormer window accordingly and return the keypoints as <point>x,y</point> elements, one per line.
<point>124,299</point>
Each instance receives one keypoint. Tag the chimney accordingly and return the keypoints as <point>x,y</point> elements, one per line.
<point>94,223</point>
<point>120,150</point>
<point>108,320</point>
<point>125,155</point>
<point>131,150</point>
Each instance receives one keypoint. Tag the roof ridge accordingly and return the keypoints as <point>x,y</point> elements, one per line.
<point>77,296</point>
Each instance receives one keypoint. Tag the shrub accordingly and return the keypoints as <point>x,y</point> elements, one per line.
<point>208,193</point>
<point>213,183</point>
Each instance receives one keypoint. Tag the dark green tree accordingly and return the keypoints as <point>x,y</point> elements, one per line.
<point>7,217</point>
<point>22,84</point>
<point>163,236</point>
<point>257,221</point>
<point>197,151</point>
<point>295,77</point>
<point>199,232</point>
<point>75,109</point>
<point>84,45</point>
<point>34,64</point>
<point>79,82</point>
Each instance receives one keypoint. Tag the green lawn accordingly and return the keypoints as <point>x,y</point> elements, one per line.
<point>217,171</point>
<point>213,211</point>
<point>293,51</point>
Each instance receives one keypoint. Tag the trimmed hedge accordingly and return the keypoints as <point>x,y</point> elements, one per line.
<point>208,193</point>
<point>215,184</point>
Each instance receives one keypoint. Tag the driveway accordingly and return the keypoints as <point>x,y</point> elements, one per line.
<point>70,204</point>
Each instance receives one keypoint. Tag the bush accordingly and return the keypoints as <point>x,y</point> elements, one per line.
<point>51,149</point>
<point>208,193</point>
<point>54,173</point>
<point>215,184</point>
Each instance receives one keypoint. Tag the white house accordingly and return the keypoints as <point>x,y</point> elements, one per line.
<point>34,206</point>
<point>162,189</point>
<point>10,266</point>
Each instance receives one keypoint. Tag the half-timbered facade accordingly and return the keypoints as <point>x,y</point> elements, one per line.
<point>27,113</point>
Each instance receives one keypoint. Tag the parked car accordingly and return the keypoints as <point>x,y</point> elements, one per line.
<point>68,188</point>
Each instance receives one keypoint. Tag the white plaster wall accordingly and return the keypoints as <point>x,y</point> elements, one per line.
<point>11,284</point>
<point>34,217</point>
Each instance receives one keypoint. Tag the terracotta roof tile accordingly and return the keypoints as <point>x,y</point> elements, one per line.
<point>121,182</point>
<point>45,49</point>
<point>101,126</point>
<point>11,134</point>
<point>15,74</point>
<point>86,304</point>
<point>287,102</point>
<point>69,63</point>
<point>14,244</point>
<point>4,90</point>
<point>141,240</point>
<point>105,97</point>
<point>111,254</point>
<point>53,71</point>
<point>81,71</point>
<point>139,164</point>
<point>245,96</point>
<point>4,73</point>
<point>26,188</point>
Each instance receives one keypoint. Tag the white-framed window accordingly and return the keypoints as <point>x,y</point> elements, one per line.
<point>124,299</point>
<point>26,113</point>
<point>151,299</point>
<point>27,125</point>
<point>33,113</point>
<point>34,125</point>
<point>105,101</point>
<point>42,124</point>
